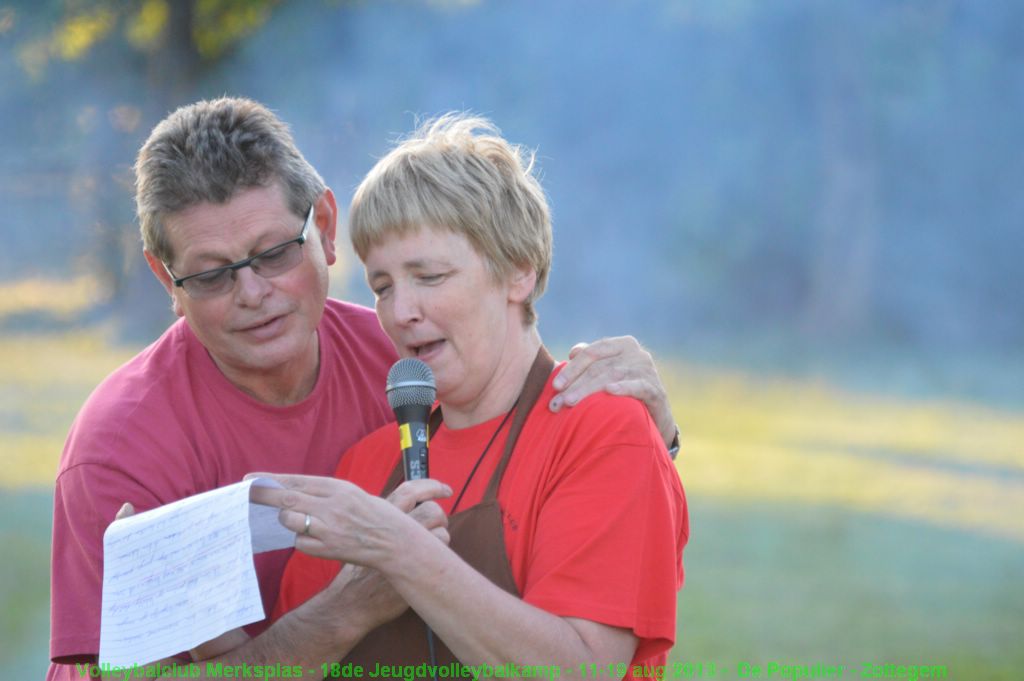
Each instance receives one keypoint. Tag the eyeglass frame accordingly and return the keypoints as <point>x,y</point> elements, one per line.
<point>246,262</point>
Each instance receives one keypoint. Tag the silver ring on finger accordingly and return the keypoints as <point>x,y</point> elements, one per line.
<point>307,524</point>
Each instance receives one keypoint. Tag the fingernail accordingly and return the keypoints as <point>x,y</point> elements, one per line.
<point>555,404</point>
<point>558,383</point>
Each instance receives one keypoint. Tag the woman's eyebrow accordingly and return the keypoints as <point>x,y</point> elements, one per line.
<point>424,263</point>
<point>410,265</point>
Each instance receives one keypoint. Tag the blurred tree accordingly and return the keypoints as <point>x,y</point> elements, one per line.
<point>179,39</point>
<point>170,46</point>
<point>769,173</point>
<point>845,240</point>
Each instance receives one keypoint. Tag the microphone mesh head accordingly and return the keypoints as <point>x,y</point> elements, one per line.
<point>410,381</point>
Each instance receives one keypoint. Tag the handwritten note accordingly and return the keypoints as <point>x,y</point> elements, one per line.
<point>182,574</point>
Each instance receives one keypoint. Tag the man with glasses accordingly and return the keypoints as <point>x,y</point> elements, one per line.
<point>263,372</point>
<point>269,263</point>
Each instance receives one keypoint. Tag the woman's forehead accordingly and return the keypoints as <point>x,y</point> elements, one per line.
<point>420,246</point>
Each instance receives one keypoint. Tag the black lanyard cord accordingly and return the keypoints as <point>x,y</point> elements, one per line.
<point>501,425</point>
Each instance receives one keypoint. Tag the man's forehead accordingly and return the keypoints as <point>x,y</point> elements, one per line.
<point>268,198</point>
<point>219,230</point>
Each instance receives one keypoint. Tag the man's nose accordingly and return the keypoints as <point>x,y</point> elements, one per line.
<point>250,288</point>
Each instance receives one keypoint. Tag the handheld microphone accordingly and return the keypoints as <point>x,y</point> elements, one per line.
<point>411,392</point>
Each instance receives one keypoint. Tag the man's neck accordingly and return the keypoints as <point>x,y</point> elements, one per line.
<point>284,385</point>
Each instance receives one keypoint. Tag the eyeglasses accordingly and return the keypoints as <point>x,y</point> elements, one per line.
<point>269,263</point>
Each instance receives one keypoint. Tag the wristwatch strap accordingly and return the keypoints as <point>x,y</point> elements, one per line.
<point>673,447</point>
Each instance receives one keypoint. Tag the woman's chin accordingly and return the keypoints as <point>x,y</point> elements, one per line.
<point>445,388</point>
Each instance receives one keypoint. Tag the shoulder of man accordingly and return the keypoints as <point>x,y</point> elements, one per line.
<point>133,396</point>
<point>355,332</point>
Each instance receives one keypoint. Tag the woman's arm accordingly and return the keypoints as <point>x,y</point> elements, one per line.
<point>479,622</point>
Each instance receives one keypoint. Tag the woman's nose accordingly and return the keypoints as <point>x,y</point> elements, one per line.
<point>407,305</point>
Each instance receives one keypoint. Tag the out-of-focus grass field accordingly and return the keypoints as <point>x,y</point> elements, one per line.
<point>826,527</point>
<point>846,529</point>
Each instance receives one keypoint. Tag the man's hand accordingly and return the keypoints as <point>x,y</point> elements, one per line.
<point>225,643</point>
<point>125,511</point>
<point>366,597</point>
<point>619,366</point>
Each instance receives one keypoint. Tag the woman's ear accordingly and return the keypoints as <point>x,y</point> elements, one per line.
<point>524,280</point>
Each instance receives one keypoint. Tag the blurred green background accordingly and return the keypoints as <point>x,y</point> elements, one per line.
<point>810,211</point>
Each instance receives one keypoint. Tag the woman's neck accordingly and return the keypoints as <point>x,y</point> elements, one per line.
<point>503,389</point>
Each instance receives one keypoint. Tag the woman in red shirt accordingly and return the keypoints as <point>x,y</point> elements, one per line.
<point>566,529</point>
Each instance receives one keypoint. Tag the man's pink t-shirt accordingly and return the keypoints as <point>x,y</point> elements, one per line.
<point>168,425</point>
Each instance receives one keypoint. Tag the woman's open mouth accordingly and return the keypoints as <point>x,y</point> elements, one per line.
<point>428,350</point>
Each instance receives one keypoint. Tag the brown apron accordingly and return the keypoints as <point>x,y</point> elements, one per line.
<point>477,536</point>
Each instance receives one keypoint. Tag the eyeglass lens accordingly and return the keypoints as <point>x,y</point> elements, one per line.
<point>269,264</point>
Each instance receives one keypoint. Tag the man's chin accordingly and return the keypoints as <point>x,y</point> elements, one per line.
<point>266,356</point>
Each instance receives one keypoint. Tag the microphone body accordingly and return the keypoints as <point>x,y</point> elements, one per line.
<point>411,394</point>
<point>415,443</point>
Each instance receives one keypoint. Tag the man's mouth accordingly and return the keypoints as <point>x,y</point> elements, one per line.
<point>262,324</point>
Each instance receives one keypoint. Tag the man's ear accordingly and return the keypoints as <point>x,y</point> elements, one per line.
<point>158,270</point>
<point>156,266</point>
<point>326,217</point>
<point>524,280</point>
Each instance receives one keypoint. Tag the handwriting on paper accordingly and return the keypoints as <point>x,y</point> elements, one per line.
<point>182,574</point>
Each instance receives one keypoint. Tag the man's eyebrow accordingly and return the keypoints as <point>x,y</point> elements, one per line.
<point>261,244</point>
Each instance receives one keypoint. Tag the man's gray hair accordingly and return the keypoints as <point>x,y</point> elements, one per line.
<point>209,151</point>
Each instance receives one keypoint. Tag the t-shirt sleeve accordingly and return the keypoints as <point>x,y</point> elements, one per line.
<point>118,450</point>
<point>612,527</point>
<point>86,499</point>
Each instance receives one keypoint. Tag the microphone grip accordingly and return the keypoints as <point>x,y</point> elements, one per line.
<point>414,449</point>
<point>412,433</point>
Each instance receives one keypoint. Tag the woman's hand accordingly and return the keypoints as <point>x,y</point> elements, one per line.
<point>347,524</point>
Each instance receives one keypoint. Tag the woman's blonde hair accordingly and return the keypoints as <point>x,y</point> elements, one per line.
<point>456,172</point>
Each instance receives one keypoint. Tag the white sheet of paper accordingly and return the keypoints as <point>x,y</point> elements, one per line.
<point>182,574</point>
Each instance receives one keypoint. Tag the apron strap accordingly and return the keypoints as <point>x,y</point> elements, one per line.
<point>541,370</point>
